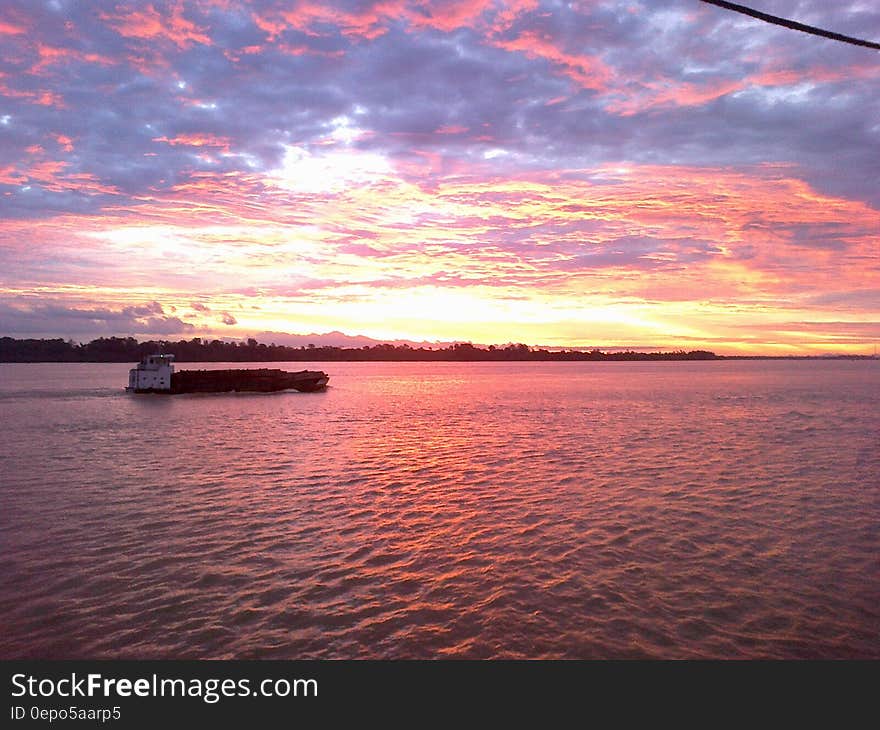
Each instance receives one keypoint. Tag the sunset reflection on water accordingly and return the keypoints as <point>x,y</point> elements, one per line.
<point>590,510</point>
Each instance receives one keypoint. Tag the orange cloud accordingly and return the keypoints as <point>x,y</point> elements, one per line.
<point>196,140</point>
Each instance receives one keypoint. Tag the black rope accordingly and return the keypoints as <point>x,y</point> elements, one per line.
<point>792,24</point>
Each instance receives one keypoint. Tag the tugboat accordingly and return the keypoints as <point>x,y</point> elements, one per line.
<point>155,374</point>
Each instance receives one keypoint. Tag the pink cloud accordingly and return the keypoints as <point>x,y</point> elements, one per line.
<point>447,16</point>
<point>65,142</point>
<point>373,19</point>
<point>41,97</point>
<point>451,129</point>
<point>7,28</point>
<point>50,55</point>
<point>589,72</point>
<point>150,24</point>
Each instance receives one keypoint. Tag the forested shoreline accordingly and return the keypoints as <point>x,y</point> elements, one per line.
<point>128,349</point>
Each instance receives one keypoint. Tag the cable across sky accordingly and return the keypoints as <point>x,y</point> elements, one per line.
<point>793,25</point>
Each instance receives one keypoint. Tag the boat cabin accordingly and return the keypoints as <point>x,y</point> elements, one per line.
<point>152,373</point>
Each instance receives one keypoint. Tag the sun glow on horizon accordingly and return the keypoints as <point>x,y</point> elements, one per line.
<point>519,260</point>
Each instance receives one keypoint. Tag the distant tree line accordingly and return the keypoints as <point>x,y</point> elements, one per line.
<point>128,349</point>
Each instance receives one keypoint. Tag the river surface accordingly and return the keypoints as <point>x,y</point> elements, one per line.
<point>432,510</point>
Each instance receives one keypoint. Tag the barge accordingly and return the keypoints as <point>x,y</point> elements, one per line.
<point>155,374</point>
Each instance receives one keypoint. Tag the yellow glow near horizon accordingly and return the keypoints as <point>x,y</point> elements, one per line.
<point>653,260</point>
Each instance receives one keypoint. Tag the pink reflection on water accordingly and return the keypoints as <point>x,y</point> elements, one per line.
<point>721,509</point>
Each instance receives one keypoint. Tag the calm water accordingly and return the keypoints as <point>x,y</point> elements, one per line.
<point>592,510</point>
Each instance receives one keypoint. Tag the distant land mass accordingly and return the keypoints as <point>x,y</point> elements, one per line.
<point>128,349</point>
<point>339,339</point>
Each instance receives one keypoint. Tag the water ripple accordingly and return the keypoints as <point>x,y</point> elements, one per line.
<point>444,510</point>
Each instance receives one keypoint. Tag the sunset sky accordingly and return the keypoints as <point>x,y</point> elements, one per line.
<point>661,174</point>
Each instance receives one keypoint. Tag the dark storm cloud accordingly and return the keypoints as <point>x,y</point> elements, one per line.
<point>48,317</point>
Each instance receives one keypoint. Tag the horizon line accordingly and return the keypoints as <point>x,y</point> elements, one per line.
<point>441,345</point>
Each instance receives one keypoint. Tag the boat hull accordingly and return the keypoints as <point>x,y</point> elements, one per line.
<point>261,380</point>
